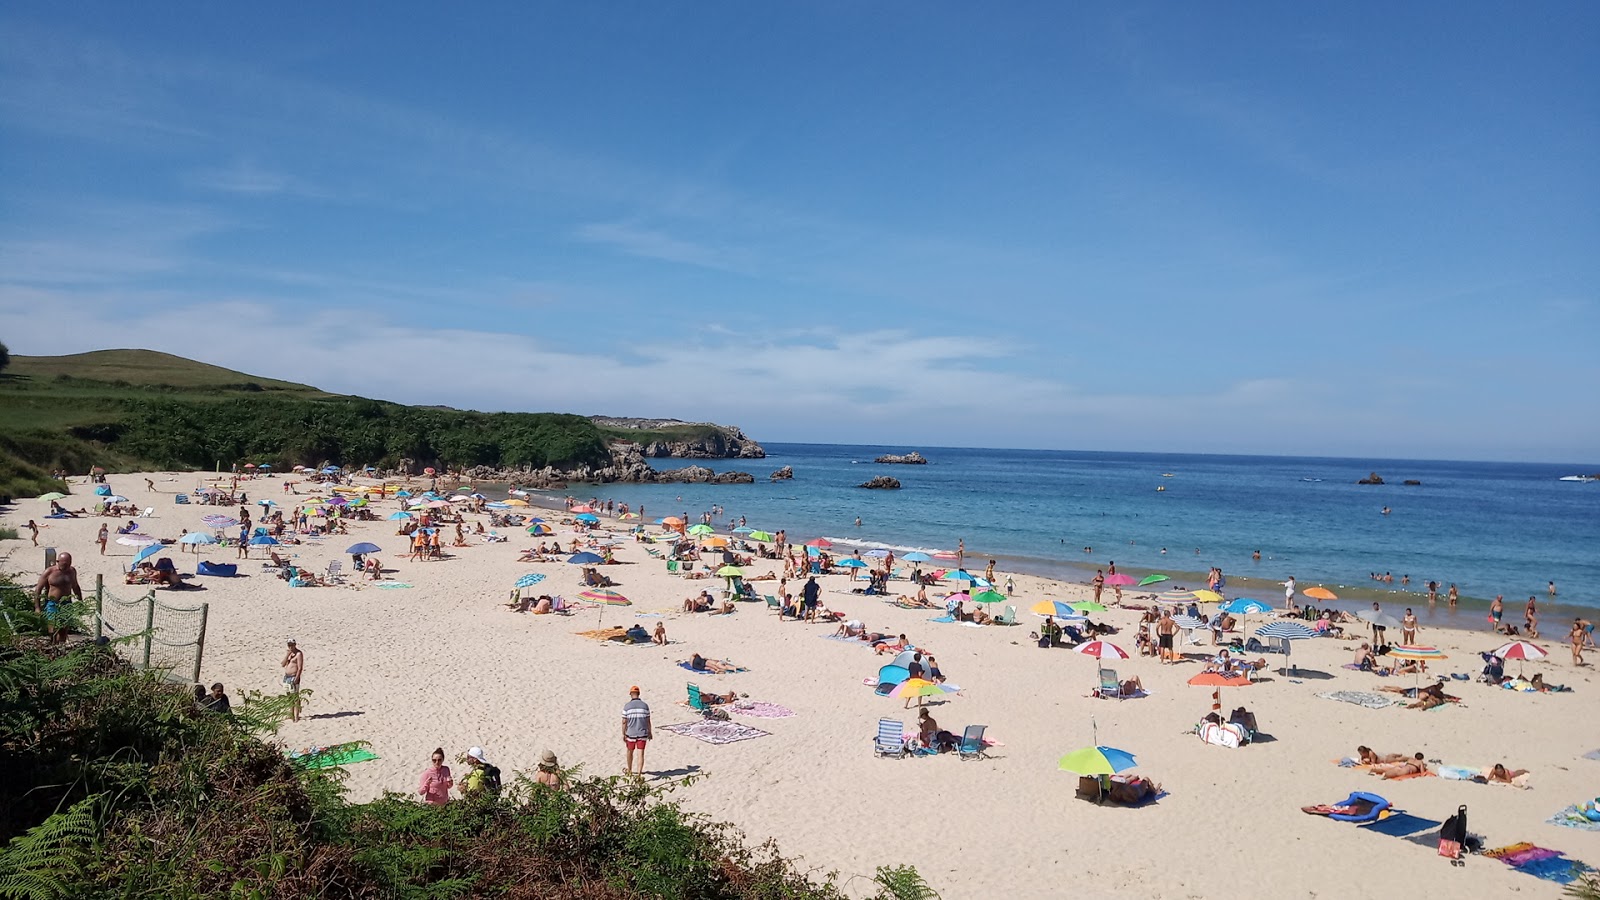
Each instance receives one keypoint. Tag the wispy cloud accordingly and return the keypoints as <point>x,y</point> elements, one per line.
<point>654,244</point>
<point>244,177</point>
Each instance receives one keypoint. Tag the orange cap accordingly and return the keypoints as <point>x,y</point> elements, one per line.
<point>634,689</point>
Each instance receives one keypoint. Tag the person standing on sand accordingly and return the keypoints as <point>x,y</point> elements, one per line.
<point>1408,628</point>
<point>33,529</point>
<point>105,535</point>
<point>961,552</point>
<point>1165,629</point>
<point>1497,610</point>
<point>636,728</point>
<point>1578,635</point>
<point>436,780</point>
<point>57,586</point>
<point>1530,619</point>
<point>294,667</point>
<point>1288,593</point>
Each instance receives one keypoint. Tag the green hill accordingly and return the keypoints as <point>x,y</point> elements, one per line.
<point>127,409</point>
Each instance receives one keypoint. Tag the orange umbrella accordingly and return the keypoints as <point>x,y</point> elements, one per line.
<point>1218,681</point>
<point>672,520</point>
<point>1321,593</point>
<point>716,541</point>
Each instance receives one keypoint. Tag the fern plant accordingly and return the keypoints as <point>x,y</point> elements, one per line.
<point>46,862</point>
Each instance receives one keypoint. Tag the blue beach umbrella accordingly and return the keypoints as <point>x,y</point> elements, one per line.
<point>363,547</point>
<point>197,537</point>
<point>397,516</point>
<point>813,551</point>
<point>960,575</point>
<point>1288,631</point>
<point>585,559</point>
<point>264,466</point>
<point>1096,761</point>
<point>1244,606</point>
<point>263,540</point>
<point>852,564</point>
<point>917,556</point>
<point>329,470</point>
<point>530,579</point>
<point>402,493</point>
<point>497,505</point>
<point>743,529</point>
<point>587,517</point>
<point>147,551</point>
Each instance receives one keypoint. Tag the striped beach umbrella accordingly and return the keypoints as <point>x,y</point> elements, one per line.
<point>1101,650</point>
<point>530,579</point>
<point>606,597</point>
<point>217,520</point>
<point>1175,596</point>
<point>1289,631</point>
<point>1519,651</point>
<point>920,687</point>
<point>1413,651</point>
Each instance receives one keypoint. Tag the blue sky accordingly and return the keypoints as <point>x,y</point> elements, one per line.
<point>1229,228</point>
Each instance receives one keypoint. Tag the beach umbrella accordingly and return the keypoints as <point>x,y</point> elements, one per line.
<point>715,540</point>
<point>1189,624</point>
<point>1418,653</point>
<point>264,466</point>
<point>249,465</point>
<point>916,556</point>
<point>628,516</point>
<point>1320,593</point>
<point>1120,579</point>
<point>363,547</point>
<point>1101,650</point>
<point>398,516</point>
<point>823,543</point>
<point>1085,606</point>
<point>216,520</point>
<point>813,551</point>
<point>148,551</point>
<point>263,540</point>
<point>1217,681</point>
<point>459,498</point>
<point>1152,579</point>
<point>1175,596</point>
<point>919,687</point>
<point>116,498</point>
<point>359,501</point>
<point>1519,651</point>
<point>877,553</point>
<point>959,575</point>
<point>989,597</point>
<point>329,470</point>
<point>266,503</point>
<point>585,518</point>
<point>1208,597</point>
<point>402,493</point>
<point>337,501</point>
<point>582,508</point>
<point>197,537</point>
<point>743,529</point>
<point>1378,619</point>
<point>441,504</point>
<point>530,579</point>
<point>429,470</point>
<point>730,572</point>
<point>585,559</point>
<point>1053,608</point>
<point>1097,761</point>
<point>852,564</point>
<point>137,540</point>
<point>671,520</point>
<point>701,529</point>
<point>496,505</point>
<point>53,495</point>
<point>1288,631</point>
<point>605,598</point>
<point>760,535</point>
<point>1244,606</point>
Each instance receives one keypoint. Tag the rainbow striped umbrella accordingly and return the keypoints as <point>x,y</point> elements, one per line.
<point>606,596</point>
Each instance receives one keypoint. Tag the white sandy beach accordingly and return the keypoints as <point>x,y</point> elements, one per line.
<point>445,663</point>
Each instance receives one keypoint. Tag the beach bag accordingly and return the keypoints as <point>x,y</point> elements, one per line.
<point>1453,835</point>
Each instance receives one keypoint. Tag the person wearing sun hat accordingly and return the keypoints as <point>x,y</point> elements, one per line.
<point>485,776</point>
<point>549,770</point>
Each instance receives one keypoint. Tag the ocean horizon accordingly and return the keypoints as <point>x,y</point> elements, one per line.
<point>1490,528</point>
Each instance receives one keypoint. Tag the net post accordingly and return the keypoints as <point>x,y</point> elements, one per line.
<point>200,642</point>
<point>149,625</point>
<point>99,607</point>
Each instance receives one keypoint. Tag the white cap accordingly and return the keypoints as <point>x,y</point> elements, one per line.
<point>478,754</point>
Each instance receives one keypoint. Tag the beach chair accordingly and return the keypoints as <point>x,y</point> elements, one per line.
<point>335,571</point>
<point>890,740</point>
<point>775,604</point>
<point>181,499</point>
<point>672,567</point>
<point>1110,684</point>
<point>1009,617</point>
<point>694,698</point>
<point>149,513</point>
<point>971,746</point>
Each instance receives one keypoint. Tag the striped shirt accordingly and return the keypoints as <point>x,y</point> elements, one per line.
<point>637,714</point>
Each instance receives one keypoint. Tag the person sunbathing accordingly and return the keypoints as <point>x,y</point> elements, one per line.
<point>710,699</point>
<point>851,629</point>
<point>1367,757</point>
<point>660,636</point>
<point>1132,686</point>
<point>979,617</point>
<point>699,603</point>
<point>716,667</point>
<point>1401,769</point>
<point>894,646</point>
<point>1429,697</point>
<point>1499,774</point>
<point>1223,664</point>
<point>915,602</point>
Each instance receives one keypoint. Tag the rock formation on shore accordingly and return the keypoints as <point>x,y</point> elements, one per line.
<point>908,459</point>
<point>628,466</point>
<point>700,440</point>
<point>782,474</point>
<point>882,483</point>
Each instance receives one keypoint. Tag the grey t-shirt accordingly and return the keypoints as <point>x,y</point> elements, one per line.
<point>637,714</point>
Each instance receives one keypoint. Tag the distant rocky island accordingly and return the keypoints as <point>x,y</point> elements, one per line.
<point>903,459</point>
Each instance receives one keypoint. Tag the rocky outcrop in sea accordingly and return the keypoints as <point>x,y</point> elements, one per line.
<point>783,474</point>
<point>903,459</point>
<point>881,483</point>
<point>628,466</point>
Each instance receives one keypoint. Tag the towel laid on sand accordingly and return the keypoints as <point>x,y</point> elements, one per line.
<point>715,732</point>
<point>1573,817</point>
<point>1540,862</point>
<point>328,757</point>
<point>1368,699</point>
<point>759,709</point>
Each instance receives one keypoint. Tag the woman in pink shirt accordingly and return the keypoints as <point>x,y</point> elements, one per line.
<point>436,780</point>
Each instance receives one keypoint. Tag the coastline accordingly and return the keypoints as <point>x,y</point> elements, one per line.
<point>437,659</point>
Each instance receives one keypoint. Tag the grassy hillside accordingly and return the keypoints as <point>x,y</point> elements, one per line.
<point>125,409</point>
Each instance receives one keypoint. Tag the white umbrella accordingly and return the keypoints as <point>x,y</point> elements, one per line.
<point>137,540</point>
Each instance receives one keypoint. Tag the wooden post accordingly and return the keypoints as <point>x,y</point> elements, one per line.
<point>99,607</point>
<point>200,642</point>
<point>149,625</point>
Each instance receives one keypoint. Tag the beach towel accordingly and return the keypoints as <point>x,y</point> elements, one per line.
<point>1573,817</point>
<point>760,709</point>
<point>684,664</point>
<point>845,640</point>
<point>1367,699</point>
<point>328,757</point>
<point>1402,824</point>
<point>943,618</point>
<point>1592,754</point>
<point>714,732</point>
<point>1540,862</point>
<point>393,585</point>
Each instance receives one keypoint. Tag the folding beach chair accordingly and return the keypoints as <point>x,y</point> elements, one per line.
<point>775,603</point>
<point>694,698</point>
<point>1009,617</point>
<point>971,746</point>
<point>335,571</point>
<point>1110,685</point>
<point>672,567</point>
<point>890,740</point>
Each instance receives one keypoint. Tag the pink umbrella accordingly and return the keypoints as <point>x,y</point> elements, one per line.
<point>1102,650</point>
<point>1121,579</point>
<point>583,508</point>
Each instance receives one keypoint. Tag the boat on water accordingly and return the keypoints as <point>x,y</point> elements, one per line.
<point>1583,478</point>
<point>1311,479</point>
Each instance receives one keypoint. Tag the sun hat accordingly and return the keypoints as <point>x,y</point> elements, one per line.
<point>289,640</point>
<point>478,754</point>
<point>547,761</point>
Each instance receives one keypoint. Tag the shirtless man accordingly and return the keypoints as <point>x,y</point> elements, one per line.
<point>58,585</point>
<point>1165,629</point>
<point>294,666</point>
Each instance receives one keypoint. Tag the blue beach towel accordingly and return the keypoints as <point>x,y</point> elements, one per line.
<point>1402,825</point>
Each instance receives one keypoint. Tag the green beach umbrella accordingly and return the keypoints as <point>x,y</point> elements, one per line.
<point>53,495</point>
<point>1152,579</point>
<point>1088,606</point>
<point>701,529</point>
<point>989,597</point>
<point>730,572</point>
<point>760,535</point>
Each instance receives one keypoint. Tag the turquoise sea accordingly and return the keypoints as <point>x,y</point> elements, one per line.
<point>1490,528</point>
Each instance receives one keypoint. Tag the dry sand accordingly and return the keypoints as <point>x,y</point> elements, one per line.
<point>444,663</point>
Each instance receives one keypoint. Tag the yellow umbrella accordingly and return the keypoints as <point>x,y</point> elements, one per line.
<point>1208,596</point>
<point>515,502</point>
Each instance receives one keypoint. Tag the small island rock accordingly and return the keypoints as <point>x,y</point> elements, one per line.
<point>782,474</point>
<point>909,459</point>
<point>1371,479</point>
<point>882,483</point>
